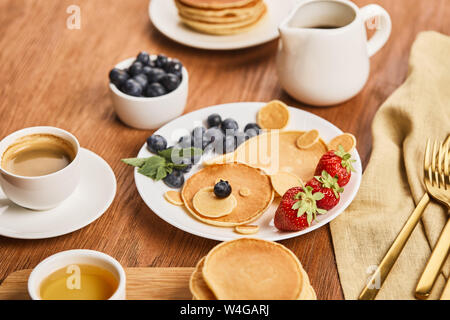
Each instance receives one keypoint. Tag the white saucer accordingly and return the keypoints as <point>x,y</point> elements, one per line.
<point>164,16</point>
<point>152,192</point>
<point>89,201</point>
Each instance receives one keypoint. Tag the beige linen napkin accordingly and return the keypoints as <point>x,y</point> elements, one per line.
<point>392,182</point>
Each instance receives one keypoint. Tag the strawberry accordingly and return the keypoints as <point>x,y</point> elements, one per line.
<point>336,163</point>
<point>297,209</point>
<point>329,187</point>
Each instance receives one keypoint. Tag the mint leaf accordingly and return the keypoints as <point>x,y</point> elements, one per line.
<point>175,155</point>
<point>135,162</point>
<point>150,167</point>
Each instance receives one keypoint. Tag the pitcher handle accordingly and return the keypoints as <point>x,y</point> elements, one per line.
<point>382,24</point>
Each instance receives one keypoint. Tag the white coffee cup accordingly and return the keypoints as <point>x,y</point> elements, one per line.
<point>321,66</point>
<point>76,257</point>
<point>41,192</point>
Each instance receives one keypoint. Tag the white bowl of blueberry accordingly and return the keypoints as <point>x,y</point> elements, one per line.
<point>148,91</point>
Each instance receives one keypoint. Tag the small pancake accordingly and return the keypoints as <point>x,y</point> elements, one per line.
<point>197,284</point>
<point>174,197</point>
<point>207,204</point>
<point>244,192</point>
<point>253,269</point>
<point>224,28</point>
<point>276,151</point>
<point>274,115</point>
<point>247,229</point>
<point>306,140</point>
<point>283,181</point>
<point>238,175</point>
<point>215,4</point>
<point>346,140</point>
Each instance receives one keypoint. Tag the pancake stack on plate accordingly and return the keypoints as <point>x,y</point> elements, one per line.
<point>221,17</point>
<point>250,269</point>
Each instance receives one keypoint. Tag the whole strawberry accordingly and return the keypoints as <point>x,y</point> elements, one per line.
<point>297,209</point>
<point>336,163</point>
<point>330,189</point>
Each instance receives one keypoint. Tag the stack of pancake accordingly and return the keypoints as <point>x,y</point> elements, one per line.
<point>250,269</point>
<point>221,17</point>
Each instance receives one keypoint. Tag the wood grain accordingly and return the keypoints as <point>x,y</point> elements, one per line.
<point>51,75</point>
<point>142,284</point>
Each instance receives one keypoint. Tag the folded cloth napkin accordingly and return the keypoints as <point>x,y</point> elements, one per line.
<point>392,182</point>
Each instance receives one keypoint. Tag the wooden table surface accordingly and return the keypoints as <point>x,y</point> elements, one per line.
<point>50,75</point>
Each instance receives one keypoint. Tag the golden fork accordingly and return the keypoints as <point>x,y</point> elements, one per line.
<point>446,293</point>
<point>370,290</point>
<point>437,182</point>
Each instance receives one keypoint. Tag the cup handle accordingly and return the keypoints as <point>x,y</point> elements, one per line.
<point>382,24</point>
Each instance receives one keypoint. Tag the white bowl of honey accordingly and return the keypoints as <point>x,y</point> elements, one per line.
<point>77,275</point>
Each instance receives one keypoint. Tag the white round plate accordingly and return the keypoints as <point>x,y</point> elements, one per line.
<point>164,16</point>
<point>244,112</point>
<point>89,201</point>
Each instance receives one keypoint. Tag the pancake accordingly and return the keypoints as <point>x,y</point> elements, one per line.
<point>307,292</point>
<point>239,176</point>
<point>221,15</point>
<point>224,28</point>
<point>346,140</point>
<point>274,115</point>
<point>306,140</point>
<point>276,151</point>
<point>174,197</point>
<point>215,4</point>
<point>198,286</point>
<point>283,181</point>
<point>207,204</point>
<point>247,229</point>
<point>253,269</point>
<point>218,20</point>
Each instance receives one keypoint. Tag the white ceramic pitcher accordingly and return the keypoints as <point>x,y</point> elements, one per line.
<point>323,57</point>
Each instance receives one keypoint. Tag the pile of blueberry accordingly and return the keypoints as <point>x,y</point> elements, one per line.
<point>148,77</point>
<point>222,136</point>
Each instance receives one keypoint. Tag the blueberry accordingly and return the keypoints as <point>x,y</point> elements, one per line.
<point>185,142</point>
<point>146,70</point>
<point>118,77</point>
<point>205,142</point>
<point>215,136</point>
<point>156,143</point>
<point>222,189</point>
<point>196,158</point>
<point>170,81</point>
<point>175,179</point>
<point>252,130</point>
<point>141,79</point>
<point>136,68</point>
<point>253,126</point>
<point>161,61</point>
<point>188,166</point>
<point>229,126</point>
<point>155,75</point>
<point>198,132</point>
<point>197,136</point>
<point>155,90</point>
<point>240,138</point>
<point>143,57</point>
<point>132,88</point>
<point>173,66</point>
<point>214,120</point>
<point>229,143</point>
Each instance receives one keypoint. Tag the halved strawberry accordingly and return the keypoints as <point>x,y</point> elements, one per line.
<point>329,187</point>
<point>297,209</point>
<point>336,163</point>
